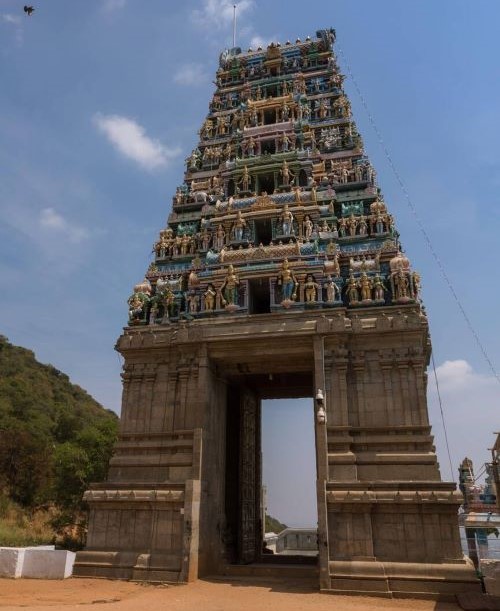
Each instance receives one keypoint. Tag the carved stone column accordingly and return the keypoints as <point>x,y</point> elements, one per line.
<point>321,460</point>
<point>387,365</point>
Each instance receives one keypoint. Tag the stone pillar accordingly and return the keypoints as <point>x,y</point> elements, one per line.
<point>321,459</point>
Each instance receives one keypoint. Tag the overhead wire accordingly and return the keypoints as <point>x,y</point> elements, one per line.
<point>442,417</point>
<point>431,248</point>
<point>476,477</point>
<point>418,220</point>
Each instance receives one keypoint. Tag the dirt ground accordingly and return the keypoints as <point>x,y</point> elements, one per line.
<point>203,595</point>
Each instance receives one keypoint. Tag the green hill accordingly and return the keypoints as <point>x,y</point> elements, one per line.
<point>54,437</point>
<point>273,525</point>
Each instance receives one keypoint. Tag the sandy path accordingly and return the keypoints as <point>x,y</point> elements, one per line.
<point>100,594</point>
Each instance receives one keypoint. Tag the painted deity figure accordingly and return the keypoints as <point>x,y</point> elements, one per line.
<point>251,147</point>
<point>285,173</point>
<point>378,289</point>
<point>254,117</point>
<point>322,109</point>
<point>352,290</point>
<point>238,227</point>
<point>245,180</point>
<point>136,305</point>
<point>215,183</point>
<point>401,285</point>
<point>193,301</point>
<point>221,126</point>
<point>193,159</point>
<point>184,244</point>
<point>379,223</point>
<point>285,143</point>
<point>362,226</point>
<point>310,289</point>
<point>193,280</point>
<point>220,237</point>
<point>331,251</point>
<point>390,223</point>
<point>235,121</point>
<point>139,301</point>
<point>365,286</point>
<point>230,286</point>
<point>228,152</point>
<point>308,227</point>
<point>208,128</point>
<point>332,290</point>
<point>416,285</point>
<point>285,112</point>
<point>153,313</point>
<point>205,239</point>
<point>286,220</point>
<point>168,300</point>
<point>209,298</point>
<point>287,282</point>
<point>352,223</point>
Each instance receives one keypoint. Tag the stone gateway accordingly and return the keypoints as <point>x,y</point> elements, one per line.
<point>279,274</point>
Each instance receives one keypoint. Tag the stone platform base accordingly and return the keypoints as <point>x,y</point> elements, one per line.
<point>478,602</point>
<point>491,574</point>
<point>403,580</point>
<point>128,565</point>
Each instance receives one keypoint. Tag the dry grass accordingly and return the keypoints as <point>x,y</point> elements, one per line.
<point>18,528</point>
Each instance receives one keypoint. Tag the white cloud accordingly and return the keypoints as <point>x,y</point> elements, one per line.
<point>113,5</point>
<point>259,41</point>
<point>16,22</point>
<point>55,244</point>
<point>9,18</point>
<point>471,404</point>
<point>218,14</point>
<point>52,221</point>
<point>129,138</point>
<point>190,74</point>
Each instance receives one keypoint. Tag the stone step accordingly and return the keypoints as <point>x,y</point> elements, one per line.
<point>279,571</point>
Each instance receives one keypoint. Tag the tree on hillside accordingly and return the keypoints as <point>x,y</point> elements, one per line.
<point>54,437</point>
<point>273,525</point>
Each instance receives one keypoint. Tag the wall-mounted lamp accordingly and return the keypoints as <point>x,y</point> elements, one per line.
<point>320,412</point>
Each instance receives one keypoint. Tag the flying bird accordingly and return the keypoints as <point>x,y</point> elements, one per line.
<point>29,10</point>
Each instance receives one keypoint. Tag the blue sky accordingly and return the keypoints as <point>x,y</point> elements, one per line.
<point>101,100</point>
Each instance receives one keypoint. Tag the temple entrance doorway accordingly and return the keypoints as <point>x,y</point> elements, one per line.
<point>288,479</point>
<point>259,299</point>
<point>263,232</point>
<point>258,402</point>
<point>266,183</point>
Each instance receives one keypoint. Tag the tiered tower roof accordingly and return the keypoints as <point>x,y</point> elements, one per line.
<point>279,207</point>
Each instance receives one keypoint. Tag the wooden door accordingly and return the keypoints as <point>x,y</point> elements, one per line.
<point>250,526</point>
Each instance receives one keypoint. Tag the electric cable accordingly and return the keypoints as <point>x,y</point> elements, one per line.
<point>417,218</point>
<point>476,477</point>
<point>442,416</point>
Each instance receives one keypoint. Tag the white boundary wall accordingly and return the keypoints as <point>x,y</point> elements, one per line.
<point>44,562</point>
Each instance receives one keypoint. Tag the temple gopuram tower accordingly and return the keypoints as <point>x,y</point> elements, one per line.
<point>279,275</point>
